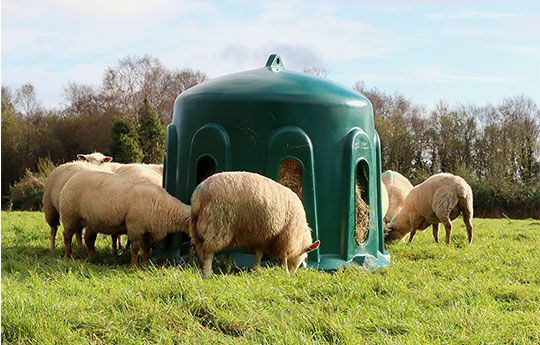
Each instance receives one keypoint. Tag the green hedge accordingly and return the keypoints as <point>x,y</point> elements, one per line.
<point>507,200</point>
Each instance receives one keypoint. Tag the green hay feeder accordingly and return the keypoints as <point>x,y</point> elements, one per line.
<point>266,120</point>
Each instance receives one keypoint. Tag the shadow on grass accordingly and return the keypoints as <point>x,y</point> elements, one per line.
<point>25,260</point>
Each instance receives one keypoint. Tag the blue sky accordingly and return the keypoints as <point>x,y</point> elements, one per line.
<point>457,51</point>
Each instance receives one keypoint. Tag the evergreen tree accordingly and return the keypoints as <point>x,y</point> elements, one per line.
<point>124,144</point>
<point>151,134</point>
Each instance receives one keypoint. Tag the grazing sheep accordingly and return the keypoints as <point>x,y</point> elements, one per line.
<point>107,203</point>
<point>139,173</point>
<point>56,181</point>
<point>398,187</point>
<point>439,199</point>
<point>252,212</point>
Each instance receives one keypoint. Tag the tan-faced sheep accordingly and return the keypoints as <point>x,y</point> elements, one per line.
<point>439,199</point>
<point>107,203</point>
<point>56,181</point>
<point>398,187</point>
<point>252,212</point>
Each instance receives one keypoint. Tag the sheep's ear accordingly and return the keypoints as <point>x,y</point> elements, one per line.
<point>81,157</point>
<point>312,246</point>
<point>107,159</point>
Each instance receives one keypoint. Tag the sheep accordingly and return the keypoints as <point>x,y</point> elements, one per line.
<point>398,187</point>
<point>249,211</point>
<point>140,173</point>
<point>56,181</point>
<point>439,199</point>
<point>104,202</point>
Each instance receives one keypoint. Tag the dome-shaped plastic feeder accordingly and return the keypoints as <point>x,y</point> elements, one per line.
<point>310,134</point>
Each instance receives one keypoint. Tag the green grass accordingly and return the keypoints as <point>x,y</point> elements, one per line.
<point>487,292</point>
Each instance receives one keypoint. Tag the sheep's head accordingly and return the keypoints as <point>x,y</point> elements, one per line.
<point>392,232</point>
<point>294,262</point>
<point>96,158</point>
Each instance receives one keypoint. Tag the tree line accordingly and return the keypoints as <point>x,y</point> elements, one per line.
<point>494,147</point>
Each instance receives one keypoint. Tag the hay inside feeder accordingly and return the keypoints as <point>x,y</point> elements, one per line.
<point>361,214</point>
<point>290,175</point>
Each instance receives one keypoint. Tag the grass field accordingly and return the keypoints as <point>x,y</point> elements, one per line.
<point>487,292</point>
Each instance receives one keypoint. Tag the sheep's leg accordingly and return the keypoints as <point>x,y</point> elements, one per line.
<point>68,237</point>
<point>54,229</point>
<point>79,237</point>
<point>436,232</point>
<point>467,219</point>
<point>411,236</point>
<point>120,244</point>
<point>135,246</point>
<point>146,251</point>
<point>206,264</point>
<point>52,217</point>
<point>284,263</point>
<point>90,240</point>
<point>258,258</point>
<point>448,227</point>
<point>114,240</point>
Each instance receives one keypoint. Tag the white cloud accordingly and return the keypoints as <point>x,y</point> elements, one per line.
<point>528,51</point>
<point>438,74</point>
<point>477,32</point>
<point>483,15</point>
<point>470,14</point>
<point>432,74</point>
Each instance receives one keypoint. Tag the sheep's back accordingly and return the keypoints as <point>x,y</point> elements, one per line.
<point>61,175</point>
<point>97,197</point>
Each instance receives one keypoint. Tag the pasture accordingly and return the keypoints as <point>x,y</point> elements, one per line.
<point>487,292</point>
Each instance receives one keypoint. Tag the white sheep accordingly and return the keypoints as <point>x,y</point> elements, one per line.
<point>439,199</point>
<point>252,212</point>
<point>398,187</point>
<point>139,173</point>
<point>56,181</point>
<point>107,203</point>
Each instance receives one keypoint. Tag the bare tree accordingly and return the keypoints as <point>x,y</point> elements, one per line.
<point>82,99</point>
<point>126,85</point>
<point>317,71</point>
<point>26,100</point>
